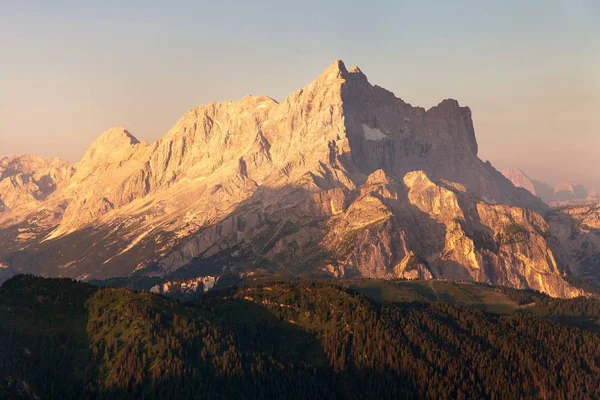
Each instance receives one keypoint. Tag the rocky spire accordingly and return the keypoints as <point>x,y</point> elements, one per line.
<point>336,70</point>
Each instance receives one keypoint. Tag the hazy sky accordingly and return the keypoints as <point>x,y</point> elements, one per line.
<point>529,70</point>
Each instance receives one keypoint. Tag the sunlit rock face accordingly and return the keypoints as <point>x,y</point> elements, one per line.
<point>26,181</point>
<point>27,184</point>
<point>340,179</point>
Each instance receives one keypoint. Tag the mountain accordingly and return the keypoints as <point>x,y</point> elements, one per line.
<point>26,181</point>
<point>567,194</point>
<point>559,195</point>
<point>340,179</point>
<point>520,179</point>
<point>373,339</point>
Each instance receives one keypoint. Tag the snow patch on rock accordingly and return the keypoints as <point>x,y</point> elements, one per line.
<point>373,133</point>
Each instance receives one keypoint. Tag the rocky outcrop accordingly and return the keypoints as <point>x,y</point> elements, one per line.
<point>185,287</point>
<point>340,178</point>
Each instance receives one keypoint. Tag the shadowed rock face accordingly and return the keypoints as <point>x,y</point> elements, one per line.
<point>577,229</point>
<point>340,178</point>
<point>440,141</point>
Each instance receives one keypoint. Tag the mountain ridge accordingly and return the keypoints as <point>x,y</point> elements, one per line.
<point>562,194</point>
<point>289,184</point>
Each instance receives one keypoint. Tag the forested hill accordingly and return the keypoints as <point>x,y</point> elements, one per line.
<point>63,339</point>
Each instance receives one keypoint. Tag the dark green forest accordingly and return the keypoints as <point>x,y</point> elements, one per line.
<point>362,339</point>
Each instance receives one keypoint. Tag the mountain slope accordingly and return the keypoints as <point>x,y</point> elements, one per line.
<point>64,339</point>
<point>323,182</point>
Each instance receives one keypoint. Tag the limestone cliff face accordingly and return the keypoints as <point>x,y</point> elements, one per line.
<point>468,238</point>
<point>416,229</point>
<point>577,229</point>
<point>340,178</point>
<point>387,133</point>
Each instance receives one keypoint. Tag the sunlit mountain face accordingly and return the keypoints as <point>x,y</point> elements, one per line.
<point>341,179</point>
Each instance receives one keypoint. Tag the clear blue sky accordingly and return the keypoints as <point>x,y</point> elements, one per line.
<point>529,70</point>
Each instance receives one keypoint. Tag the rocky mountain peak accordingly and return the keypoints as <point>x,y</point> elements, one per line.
<point>448,105</point>
<point>340,168</point>
<point>113,138</point>
<point>112,147</point>
<point>336,70</point>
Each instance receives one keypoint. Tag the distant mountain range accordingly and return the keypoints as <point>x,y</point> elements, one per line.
<point>341,179</point>
<point>561,194</point>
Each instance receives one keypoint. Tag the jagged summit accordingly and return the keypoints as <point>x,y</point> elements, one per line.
<point>337,73</point>
<point>112,147</point>
<point>449,105</point>
<point>336,69</point>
